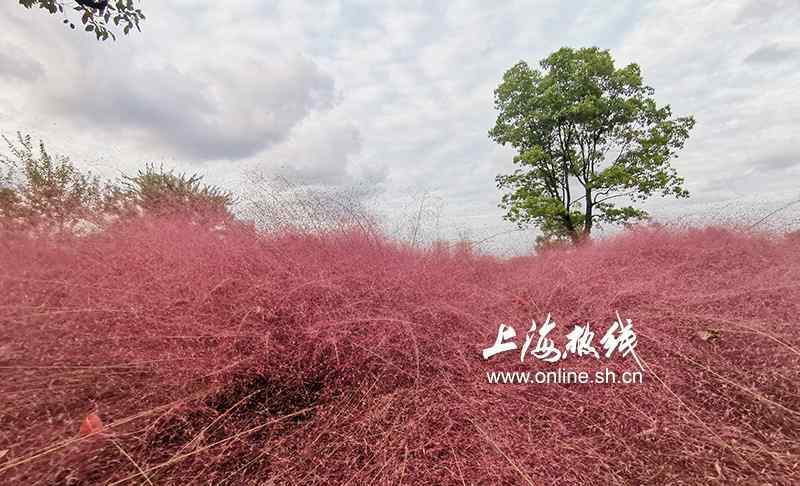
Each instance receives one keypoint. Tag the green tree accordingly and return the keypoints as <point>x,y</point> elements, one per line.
<point>40,190</point>
<point>590,142</point>
<point>160,192</point>
<point>95,15</point>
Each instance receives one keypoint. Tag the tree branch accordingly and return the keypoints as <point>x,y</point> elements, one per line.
<point>95,4</point>
<point>597,201</point>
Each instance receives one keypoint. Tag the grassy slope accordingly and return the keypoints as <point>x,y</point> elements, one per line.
<point>232,358</point>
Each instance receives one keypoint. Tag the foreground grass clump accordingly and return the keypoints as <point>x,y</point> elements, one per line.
<point>228,357</point>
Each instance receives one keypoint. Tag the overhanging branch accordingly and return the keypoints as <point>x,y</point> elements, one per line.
<point>95,4</point>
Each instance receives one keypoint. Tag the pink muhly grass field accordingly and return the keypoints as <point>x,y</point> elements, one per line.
<point>160,352</point>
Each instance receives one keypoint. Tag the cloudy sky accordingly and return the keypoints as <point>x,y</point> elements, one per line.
<point>397,96</point>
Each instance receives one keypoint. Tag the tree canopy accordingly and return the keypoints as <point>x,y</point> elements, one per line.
<point>590,142</point>
<point>96,16</point>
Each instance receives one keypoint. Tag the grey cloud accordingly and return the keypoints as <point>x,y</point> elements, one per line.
<point>224,111</point>
<point>772,54</point>
<point>759,11</point>
<point>16,64</point>
<point>778,161</point>
<point>319,152</point>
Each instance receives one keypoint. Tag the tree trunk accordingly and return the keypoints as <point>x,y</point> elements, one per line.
<point>574,236</point>
<point>587,222</point>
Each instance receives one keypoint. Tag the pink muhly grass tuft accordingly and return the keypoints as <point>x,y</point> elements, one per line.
<point>231,357</point>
